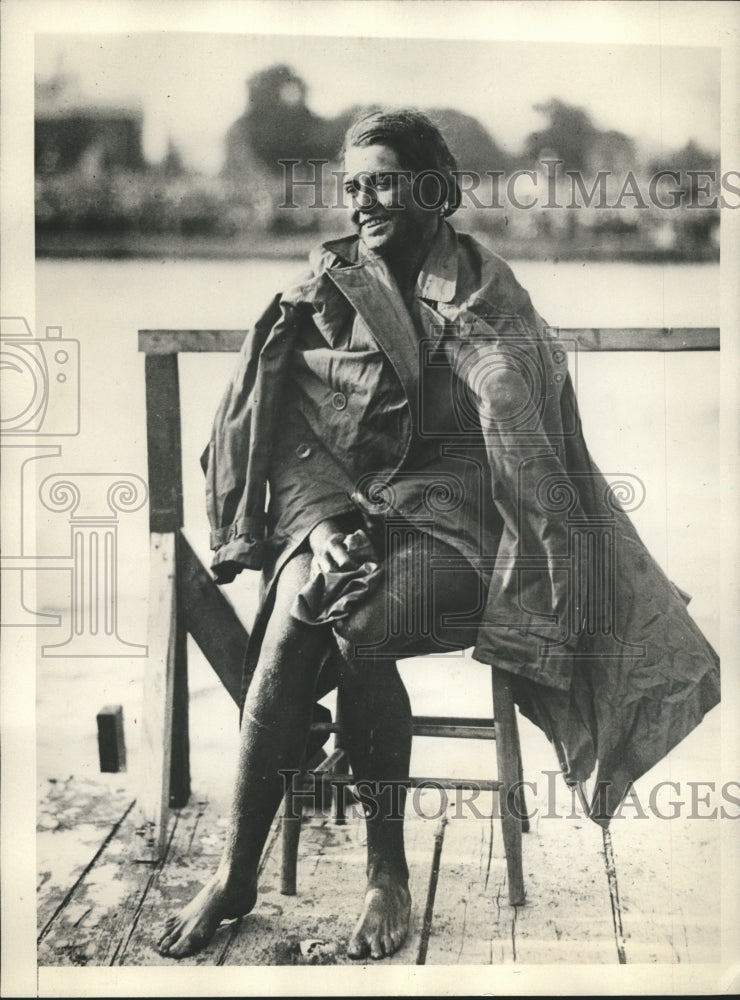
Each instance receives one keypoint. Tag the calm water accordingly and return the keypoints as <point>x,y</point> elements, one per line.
<point>650,415</point>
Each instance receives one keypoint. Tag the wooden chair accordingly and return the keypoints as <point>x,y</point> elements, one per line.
<point>501,726</point>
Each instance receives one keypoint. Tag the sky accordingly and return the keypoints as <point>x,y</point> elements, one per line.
<point>191,86</point>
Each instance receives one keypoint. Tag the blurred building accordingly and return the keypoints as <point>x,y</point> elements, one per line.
<point>74,134</point>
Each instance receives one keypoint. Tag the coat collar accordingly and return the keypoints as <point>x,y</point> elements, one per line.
<point>437,281</point>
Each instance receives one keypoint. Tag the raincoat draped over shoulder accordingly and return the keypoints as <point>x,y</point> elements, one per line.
<point>603,654</point>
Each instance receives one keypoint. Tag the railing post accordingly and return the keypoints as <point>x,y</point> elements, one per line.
<point>159,676</point>
<point>164,451</point>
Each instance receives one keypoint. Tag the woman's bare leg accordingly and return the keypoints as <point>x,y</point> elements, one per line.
<point>377,731</point>
<point>274,731</point>
<point>377,723</point>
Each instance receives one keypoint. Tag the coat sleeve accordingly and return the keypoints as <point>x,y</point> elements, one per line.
<point>237,527</point>
<point>259,440</point>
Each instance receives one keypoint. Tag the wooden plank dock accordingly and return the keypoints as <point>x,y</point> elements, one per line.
<point>98,905</point>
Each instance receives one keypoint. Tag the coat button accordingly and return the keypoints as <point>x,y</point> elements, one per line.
<point>339,401</point>
<point>303,450</point>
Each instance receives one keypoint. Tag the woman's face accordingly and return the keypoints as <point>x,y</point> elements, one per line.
<point>386,209</point>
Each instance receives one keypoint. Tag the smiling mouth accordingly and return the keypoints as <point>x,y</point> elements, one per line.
<point>371,224</point>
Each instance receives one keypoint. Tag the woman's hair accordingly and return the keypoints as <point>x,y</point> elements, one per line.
<point>416,141</point>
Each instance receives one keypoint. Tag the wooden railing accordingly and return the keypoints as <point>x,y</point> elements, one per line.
<point>640,338</point>
<point>183,597</point>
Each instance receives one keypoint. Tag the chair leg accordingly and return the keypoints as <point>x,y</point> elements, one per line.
<point>291,821</point>
<point>521,802</point>
<point>508,772</point>
<point>340,804</point>
<point>340,791</point>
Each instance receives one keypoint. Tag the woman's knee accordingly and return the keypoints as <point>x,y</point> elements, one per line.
<point>367,636</point>
<point>294,575</point>
<point>354,631</point>
<point>288,641</point>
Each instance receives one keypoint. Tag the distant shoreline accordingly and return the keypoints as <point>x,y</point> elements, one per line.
<point>133,246</point>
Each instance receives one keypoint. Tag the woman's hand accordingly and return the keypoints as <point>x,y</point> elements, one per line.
<point>334,550</point>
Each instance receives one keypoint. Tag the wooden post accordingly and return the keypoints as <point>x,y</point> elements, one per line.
<point>164,451</point>
<point>508,772</point>
<point>159,684</point>
<point>179,778</point>
<point>111,742</point>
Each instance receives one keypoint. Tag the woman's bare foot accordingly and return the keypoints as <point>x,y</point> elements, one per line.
<point>384,922</point>
<point>192,928</point>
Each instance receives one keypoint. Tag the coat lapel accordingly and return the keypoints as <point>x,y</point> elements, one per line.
<point>369,287</point>
<point>371,290</point>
